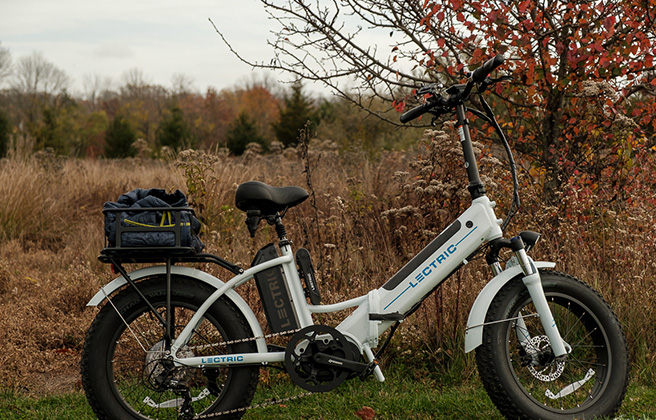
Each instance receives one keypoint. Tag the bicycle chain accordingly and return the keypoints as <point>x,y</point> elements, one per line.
<point>261,405</point>
<point>254,406</point>
<point>243,340</point>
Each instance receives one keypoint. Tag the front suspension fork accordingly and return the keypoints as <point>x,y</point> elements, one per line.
<point>534,286</point>
<point>533,283</point>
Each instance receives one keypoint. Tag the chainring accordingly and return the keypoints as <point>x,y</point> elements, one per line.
<point>300,363</point>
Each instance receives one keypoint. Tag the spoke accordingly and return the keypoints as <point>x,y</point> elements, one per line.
<point>203,339</point>
<point>584,338</point>
<point>130,393</point>
<point>578,321</point>
<point>575,329</point>
<point>132,362</point>
<point>584,362</point>
<point>569,307</point>
<point>528,344</point>
<point>590,346</point>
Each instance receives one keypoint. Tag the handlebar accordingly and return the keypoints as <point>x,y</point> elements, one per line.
<point>483,71</point>
<point>415,112</point>
<point>442,105</point>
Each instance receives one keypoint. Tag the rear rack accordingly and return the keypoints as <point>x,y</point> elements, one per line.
<point>170,221</point>
<point>120,254</point>
<point>167,258</point>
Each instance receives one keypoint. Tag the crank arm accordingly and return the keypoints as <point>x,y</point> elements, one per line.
<point>340,363</point>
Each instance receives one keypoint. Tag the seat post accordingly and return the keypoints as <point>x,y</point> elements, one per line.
<point>276,221</point>
<point>281,230</point>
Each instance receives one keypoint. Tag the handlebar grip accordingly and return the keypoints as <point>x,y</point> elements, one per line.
<point>483,71</point>
<point>414,113</point>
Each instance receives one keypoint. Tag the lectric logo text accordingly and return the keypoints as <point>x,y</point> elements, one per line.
<point>222,359</point>
<point>439,260</point>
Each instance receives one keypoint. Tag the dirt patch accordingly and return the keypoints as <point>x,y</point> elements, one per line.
<point>53,383</point>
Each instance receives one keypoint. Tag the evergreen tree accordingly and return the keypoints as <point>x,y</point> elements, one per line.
<point>294,116</point>
<point>174,132</point>
<point>51,136</point>
<point>119,139</point>
<point>5,130</point>
<point>242,131</point>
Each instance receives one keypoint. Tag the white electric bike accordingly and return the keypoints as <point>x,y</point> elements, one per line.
<point>172,341</point>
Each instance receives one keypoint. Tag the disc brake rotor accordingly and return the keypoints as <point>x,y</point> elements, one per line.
<point>545,372</point>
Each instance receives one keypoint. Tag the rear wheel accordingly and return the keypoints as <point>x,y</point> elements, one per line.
<point>125,372</point>
<point>519,370</point>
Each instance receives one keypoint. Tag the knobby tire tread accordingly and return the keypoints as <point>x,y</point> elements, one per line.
<point>484,357</point>
<point>485,352</point>
<point>125,300</point>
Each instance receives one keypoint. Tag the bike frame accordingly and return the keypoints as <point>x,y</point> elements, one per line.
<point>380,308</point>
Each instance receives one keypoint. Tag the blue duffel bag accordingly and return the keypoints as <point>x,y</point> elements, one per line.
<point>152,218</point>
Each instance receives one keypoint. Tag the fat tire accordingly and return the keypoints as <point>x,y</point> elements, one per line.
<point>96,362</point>
<point>494,357</point>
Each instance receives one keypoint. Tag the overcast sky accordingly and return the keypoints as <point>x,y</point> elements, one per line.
<point>159,37</point>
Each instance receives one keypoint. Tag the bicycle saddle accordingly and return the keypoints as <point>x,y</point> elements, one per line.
<point>255,195</point>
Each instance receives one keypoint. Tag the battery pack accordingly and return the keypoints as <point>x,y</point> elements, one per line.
<point>274,294</point>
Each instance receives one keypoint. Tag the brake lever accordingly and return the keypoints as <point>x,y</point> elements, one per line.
<point>490,82</point>
<point>503,78</point>
<point>433,89</point>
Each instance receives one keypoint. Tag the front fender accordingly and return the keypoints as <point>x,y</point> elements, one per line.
<point>474,331</point>
<point>137,275</point>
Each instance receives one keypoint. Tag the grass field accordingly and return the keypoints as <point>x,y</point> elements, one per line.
<point>401,396</point>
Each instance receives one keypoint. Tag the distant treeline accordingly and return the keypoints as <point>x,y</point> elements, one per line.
<point>37,112</point>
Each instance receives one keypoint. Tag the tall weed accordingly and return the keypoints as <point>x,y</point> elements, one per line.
<point>366,218</point>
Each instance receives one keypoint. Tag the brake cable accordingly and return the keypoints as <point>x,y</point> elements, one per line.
<point>490,118</point>
<point>439,105</point>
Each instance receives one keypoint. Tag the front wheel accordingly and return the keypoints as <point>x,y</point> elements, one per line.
<point>125,370</point>
<point>521,374</point>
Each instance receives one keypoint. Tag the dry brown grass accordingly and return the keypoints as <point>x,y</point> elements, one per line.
<point>50,235</point>
<point>364,220</point>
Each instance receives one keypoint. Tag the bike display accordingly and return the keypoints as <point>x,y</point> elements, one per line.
<point>172,341</point>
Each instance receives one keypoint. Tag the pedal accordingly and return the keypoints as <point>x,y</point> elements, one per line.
<point>371,368</point>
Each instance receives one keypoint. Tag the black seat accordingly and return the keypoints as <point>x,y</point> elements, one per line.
<point>255,195</point>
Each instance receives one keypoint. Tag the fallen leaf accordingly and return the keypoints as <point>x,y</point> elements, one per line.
<point>366,413</point>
